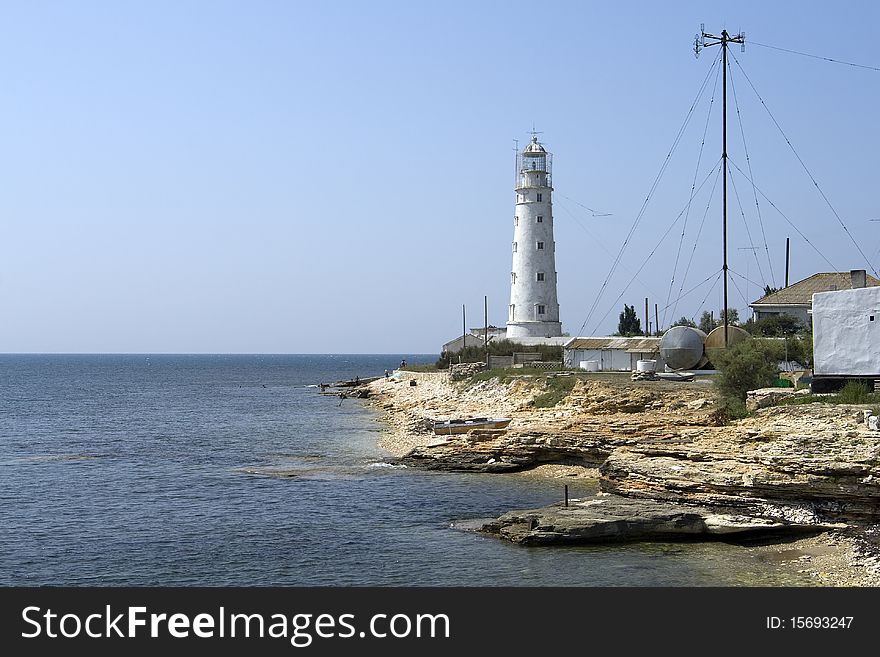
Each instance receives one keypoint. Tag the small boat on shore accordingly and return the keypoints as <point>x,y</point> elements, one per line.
<point>464,425</point>
<point>352,383</point>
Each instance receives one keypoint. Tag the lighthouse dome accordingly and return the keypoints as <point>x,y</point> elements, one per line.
<point>534,147</point>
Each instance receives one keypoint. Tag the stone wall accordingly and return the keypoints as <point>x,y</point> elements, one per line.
<point>459,371</point>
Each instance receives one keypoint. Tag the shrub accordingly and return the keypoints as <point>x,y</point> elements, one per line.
<point>800,349</point>
<point>854,392</point>
<point>726,410</point>
<point>745,366</point>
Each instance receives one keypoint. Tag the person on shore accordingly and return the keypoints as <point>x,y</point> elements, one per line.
<point>322,386</point>
<point>386,375</point>
<point>402,364</point>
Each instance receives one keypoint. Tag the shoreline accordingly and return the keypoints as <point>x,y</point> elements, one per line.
<point>575,440</point>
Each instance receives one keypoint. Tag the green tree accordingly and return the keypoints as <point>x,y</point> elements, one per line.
<point>800,349</point>
<point>707,322</point>
<point>629,323</point>
<point>684,321</point>
<point>775,326</point>
<point>770,290</point>
<point>733,315</point>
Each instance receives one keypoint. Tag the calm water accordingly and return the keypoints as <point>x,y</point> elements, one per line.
<point>154,470</point>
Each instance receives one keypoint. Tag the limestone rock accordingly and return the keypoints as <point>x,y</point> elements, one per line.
<point>611,518</point>
<point>835,471</point>
<point>654,443</point>
<point>763,397</point>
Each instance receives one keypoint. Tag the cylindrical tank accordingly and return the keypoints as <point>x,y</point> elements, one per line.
<point>590,365</point>
<point>646,366</point>
<point>715,339</point>
<point>682,347</point>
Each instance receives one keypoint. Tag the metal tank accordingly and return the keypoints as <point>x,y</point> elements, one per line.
<point>682,347</point>
<point>715,339</point>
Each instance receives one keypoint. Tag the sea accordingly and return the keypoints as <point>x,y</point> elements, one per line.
<point>215,470</point>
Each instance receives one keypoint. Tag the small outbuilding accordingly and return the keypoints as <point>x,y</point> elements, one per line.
<point>846,337</point>
<point>612,354</point>
<point>467,340</point>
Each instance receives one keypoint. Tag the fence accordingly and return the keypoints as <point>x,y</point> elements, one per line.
<point>523,359</point>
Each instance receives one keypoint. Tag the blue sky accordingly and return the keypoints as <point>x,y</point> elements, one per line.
<point>337,177</point>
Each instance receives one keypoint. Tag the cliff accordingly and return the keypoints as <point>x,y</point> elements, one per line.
<point>665,466</point>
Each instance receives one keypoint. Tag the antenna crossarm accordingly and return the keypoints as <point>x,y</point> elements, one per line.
<point>712,40</point>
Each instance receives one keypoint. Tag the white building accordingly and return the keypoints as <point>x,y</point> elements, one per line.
<point>796,299</point>
<point>846,334</point>
<point>534,309</point>
<point>475,338</point>
<point>613,354</point>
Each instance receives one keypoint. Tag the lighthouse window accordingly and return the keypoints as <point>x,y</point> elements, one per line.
<point>540,246</point>
<point>540,276</point>
<point>540,309</point>
<point>514,247</point>
<point>539,197</point>
<point>511,309</point>
<point>540,219</point>
<point>516,221</point>
<point>513,277</point>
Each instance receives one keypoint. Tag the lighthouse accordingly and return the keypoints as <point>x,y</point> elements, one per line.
<point>534,310</point>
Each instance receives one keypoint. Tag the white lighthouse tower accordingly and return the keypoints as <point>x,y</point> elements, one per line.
<point>534,310</point>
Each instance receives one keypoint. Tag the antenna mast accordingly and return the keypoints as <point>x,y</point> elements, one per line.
<point>705,40</point>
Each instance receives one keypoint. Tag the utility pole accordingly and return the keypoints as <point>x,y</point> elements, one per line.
<point>463,335</point>
<point>647,323</point>
<point>486,324</point>
<point>656,319</point>
<point>786,262</point>
<point>705,40</point>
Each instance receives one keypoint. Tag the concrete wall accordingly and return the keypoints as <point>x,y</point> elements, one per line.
<point>496,362</point>
<point>846,332</point>
<point>517,358</point>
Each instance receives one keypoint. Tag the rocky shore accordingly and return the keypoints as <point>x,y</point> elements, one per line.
<point>667,467</point>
